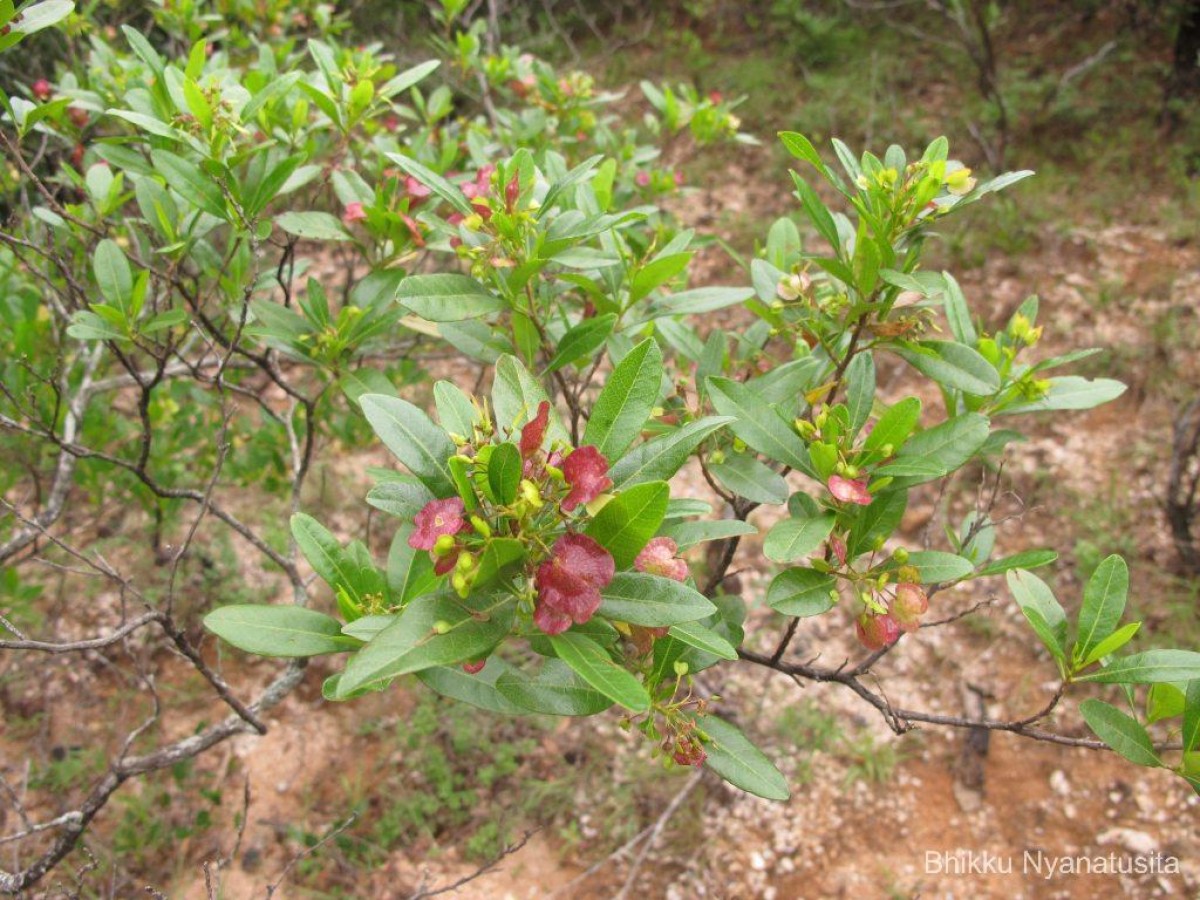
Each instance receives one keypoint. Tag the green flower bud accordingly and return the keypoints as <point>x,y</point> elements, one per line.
<point>465,562</point>
<point>900,555</point>
<point>739,446</point>
<point>481,527</point>
<point>444,545</point>
<point>441,626</point>
<point>878,543</point>
<point>461,586</point>
<point>681,668</point>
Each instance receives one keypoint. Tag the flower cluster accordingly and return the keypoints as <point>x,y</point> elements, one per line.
<point>569,583</point>
<point>901,615</point>
<point>565,569</point>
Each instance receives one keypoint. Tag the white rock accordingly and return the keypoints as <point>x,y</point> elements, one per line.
<point>1133,841</point>
<point>1059,783</point>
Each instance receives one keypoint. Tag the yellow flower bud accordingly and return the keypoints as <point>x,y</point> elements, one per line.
<point>530,495</point>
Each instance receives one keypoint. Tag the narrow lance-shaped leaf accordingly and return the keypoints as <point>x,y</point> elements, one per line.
<point>287,631</point>
<point>734,758</point>
<point>1149,667</point>
<point>596,667</point>
<point>661,458</point>
<point>643,599</point>
<point>761,428</point>
<point>629,520</point>
<point>1103,604</point>
<point>1044,613</point>
<point>626,401</point>
<point>413,438</point>
<point>447,297</point>
<point>793,539</point>
<point>1120,731</point>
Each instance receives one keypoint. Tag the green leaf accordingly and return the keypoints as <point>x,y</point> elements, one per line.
<point>582,340</point>
<point>412,642</point>
<point>734,758</point>
<point>700,300</point>
<point>367,627</point>
<point>1149,667</point>
<point>87,326</point>
<point>1026,559</point>
<point>791,540</point>
<point>455,411</point>
<point>1164,701</point>
<point>652,601</point>
<point>951,365</point>
<point>895,425</point>
<point>556,691</point>
<point>447,297</point>
<point>688,534</point>
<point>478,690</point>
<point>1121,732</point>
<point>187,180</point>
<point>696,635</point>
<point>400,499</point>
<point>289,631</point>
<point>330,561</point>
<point>37,16</point>
<point>876,521</point>
<point>595,667</point>
<point>629,520</point>
<point>747,477</point>
<point>801,592</point>
<point>1103,605</point>
<point>938,451</point>
<point>1190,734</point>
<point>860,390</point>
<point>1044,613</point>
<point>408,78</point>
<point>817,213</point>
<point>409,572</point>
<point>504,473</point>
<point>113,275</point>
<point>801,148</point>
<point>315,226</point>
<point>958,313</point>
<point>413,438</point>
<point>761,428</point>
<point>657,273</point>
<point>498,555</point>
<point>937,567</point>
<point>1070,392</point>
<point>433,181</point>
<point>516,395</point>
<point>661,458</point>
<point>626,401</point>
<point>1110,644</point>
